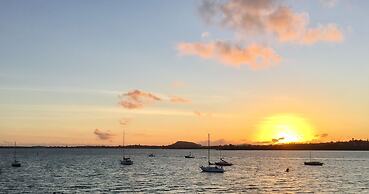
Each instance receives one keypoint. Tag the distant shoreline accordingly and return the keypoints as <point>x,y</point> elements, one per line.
<point>352,145</point>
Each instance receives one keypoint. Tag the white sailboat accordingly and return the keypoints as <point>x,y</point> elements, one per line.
<point>212,168</point>
<point>313,163</point>
<point>15,163</point>
<point>125,160</point>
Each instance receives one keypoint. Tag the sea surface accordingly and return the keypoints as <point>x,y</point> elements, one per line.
<point>99,171</point>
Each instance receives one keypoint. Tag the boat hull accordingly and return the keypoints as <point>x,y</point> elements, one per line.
<point>212,169</point>
<point>16,164</point>
<point>314,163</point>
<point>223,164</point>
<point>126,162</point>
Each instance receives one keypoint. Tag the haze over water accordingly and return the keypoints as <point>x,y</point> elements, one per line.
<point>99,170</point>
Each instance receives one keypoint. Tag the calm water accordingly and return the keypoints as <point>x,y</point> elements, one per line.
<point>99,171</point>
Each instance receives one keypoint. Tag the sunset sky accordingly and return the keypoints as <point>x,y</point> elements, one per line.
<point>78,72</point>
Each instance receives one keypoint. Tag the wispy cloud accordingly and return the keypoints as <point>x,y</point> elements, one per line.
<point>255,56</point>
<point>137,99</point>
<point>178,84</point>
<point>328,3</point>
<point>202,114</point>
<point>124,121</point>
<point>103,135</point>
<point>215,142</point>
<point>177,99</point>
<point>205,35</point>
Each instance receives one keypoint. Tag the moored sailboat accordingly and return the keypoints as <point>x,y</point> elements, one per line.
<point>212,168</point>
<point>125,160</point>
<point>313,163</point>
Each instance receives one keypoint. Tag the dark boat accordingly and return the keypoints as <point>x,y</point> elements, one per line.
<point>222,162</point>
<point>15,163</point>
<point>126,161</point>
<point>189,156</point>
<point>314,163</point>
<point>151,155</point>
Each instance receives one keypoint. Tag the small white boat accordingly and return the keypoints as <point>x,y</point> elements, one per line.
<point>212,168</point>
<point>15,163</point>
<point>189,155</point>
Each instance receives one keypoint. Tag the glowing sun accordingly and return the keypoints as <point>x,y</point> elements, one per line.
<point>285,128</point>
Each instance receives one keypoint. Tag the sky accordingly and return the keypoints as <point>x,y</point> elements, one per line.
<point>269,71</point>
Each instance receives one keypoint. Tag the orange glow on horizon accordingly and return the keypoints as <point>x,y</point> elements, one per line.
<point>285,128</point>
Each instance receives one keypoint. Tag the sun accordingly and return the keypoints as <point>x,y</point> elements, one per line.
<point>284,128</point>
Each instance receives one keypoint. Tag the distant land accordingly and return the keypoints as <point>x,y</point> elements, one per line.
<point>339,145</point>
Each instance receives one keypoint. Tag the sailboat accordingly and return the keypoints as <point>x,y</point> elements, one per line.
<point>125,160</point>
<point>15,163</point>
<point>212,168</point>
<point>189,155</point>
<point>313,163</point>
<point>222,162</point>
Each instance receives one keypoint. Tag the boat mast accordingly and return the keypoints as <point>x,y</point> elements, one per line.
<point>15,151</point>
<point>208,148</point>
<point>124,133</point>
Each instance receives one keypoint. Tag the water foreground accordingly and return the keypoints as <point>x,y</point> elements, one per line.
<point>99,170</point>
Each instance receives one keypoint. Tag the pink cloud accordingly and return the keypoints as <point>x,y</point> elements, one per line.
<point>268,17</point>
<point>137,99</point>
<point>255,56</point>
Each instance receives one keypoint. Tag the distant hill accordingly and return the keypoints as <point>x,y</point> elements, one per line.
<point>184,145</point>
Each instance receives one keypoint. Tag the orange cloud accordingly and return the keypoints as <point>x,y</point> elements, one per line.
<point>268,17</point>
<point>103,135</point>
<point>255,56</point>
